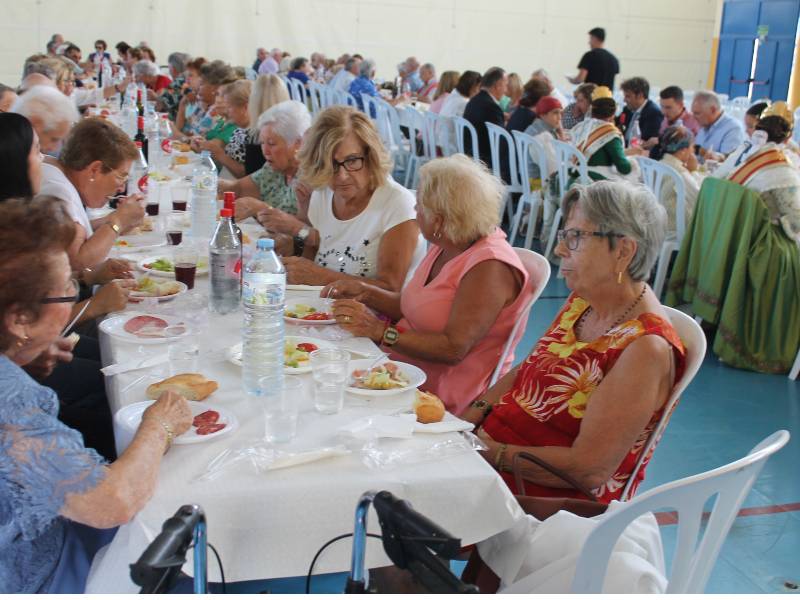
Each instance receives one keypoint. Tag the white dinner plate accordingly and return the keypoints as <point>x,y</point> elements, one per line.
<point>416,377</point>
<point>235,354</point>
<point>201,270</point>
<point>143,241</point>
<point>115,326</point>
<point>128,418</point>
<point>139,296</point>
<point>318,304</point>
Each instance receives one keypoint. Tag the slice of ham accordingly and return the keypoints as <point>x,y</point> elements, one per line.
<point>145,326</point>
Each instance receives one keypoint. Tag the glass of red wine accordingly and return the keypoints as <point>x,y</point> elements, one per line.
<point>151,208</point>
<point>180,195</point>
<point>185,265</point>
<point>174,238</point>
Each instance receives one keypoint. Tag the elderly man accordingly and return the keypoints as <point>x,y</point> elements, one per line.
<point>598,65</point>
<point>410,74</point>
<point>272,63</point>
<point>719,134</point>
<point>261,56</point>
<point>484,108</point>
<point>7,98</point>
<point>50,112</point>
<point>542,76</point>
<point>639,110</point>
<point>427,73</point>
<point>318,66</point>
<point>342,80</point>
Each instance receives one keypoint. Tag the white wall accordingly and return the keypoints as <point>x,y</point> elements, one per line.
<point>669,42</point>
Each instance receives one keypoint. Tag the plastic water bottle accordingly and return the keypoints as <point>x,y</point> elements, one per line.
<point>225,266</point>
<point>263,294</point>
<point>137,182</point>
<point>204,197</point>
<point>636,135</point>
<point>154,143</point>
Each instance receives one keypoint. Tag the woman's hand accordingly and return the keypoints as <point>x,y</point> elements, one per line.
<point>492,446</point>
<point>691,161</point>
<point>302,271</point>
<point>172,409</point>
<point>59,351</point>
<point>111,297</point>
<point>151,95</point>
<point>215,147</point>
<point>274,219</point>
<point>246,207</point>
<point>356,318</point>
<point>130,212</point>
<point>109,270</point>
<point>345,288</point>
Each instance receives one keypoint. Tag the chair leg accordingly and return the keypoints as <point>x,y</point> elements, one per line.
<point>796,367</point>
<point>551,239</point>
<point>533,215</point>
<point>516,222</point>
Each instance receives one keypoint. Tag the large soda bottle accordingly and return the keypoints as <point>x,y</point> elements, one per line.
<point>137,181</point>
<point>263,294</point>
<point>225,266</point>
<point>204,197</point>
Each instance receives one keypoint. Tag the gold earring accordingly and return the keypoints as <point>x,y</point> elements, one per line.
<point>91,179</point>
<point>619,277</point>
<point>23,341</point>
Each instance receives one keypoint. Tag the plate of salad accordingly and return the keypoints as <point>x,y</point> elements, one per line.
<point>388,378</point>
<point>314,311</point>
<point>164,266</point>
<point>160,289</point>
<point>295,353</point>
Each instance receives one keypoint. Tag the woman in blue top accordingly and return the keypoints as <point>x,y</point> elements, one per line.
<point>300,69</point>
<point>58,500</point>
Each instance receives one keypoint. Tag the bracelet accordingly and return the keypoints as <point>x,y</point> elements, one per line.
<point>500,457</point>
<point>170,434</point>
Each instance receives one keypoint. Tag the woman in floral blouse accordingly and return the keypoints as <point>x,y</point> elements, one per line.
<point>593,389</point>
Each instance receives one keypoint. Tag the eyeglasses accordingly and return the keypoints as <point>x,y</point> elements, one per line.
<point>120,177</point>
<point>59,299</point>
<point>572,237</point>
<point>350,164</point>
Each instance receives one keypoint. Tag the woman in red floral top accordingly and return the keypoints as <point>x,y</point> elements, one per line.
<point>594,387</point>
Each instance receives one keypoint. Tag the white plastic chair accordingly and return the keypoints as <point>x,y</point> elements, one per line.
<point>539,274</point>
<point>297,90</point>
<point>741,101</point>
<point>692,561</point>
<point>655,174</point>
<point>795,367</point>
<point>567,158</point>
<point>694,340</point>
<point>497,137</point>
<point>314,93</point>
<point>462,126</point>
<point>417,129</point>
<point>527,147</point>
<point>796,132</point>
<point>430,137</point>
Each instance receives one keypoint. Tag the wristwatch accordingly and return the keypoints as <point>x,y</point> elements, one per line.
<point>300,240</point>
<point>390,336</point>
<point>114,226</point>
<point>482,405</point>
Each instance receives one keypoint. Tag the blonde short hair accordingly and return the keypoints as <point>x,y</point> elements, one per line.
<point>464,193</point>
<point>237,93</point>
<point>331,127</point>
<point>268,90</point>
<point>60,67</point>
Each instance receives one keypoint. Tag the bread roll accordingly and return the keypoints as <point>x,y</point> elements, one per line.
<point>191,386</point>
<point>428,407</point>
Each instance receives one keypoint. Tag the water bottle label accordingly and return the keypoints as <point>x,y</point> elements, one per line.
<point>264,289</point>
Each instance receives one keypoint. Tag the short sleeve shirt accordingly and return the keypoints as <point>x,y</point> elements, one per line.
<point>274,190</point>
<point>236,147</point>
<point>55,183</point>
<point>601,67</point>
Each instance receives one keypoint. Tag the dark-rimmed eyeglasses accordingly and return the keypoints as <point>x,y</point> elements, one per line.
<point>572,237</point>
<point>59,299</point>
<point>351,164</point>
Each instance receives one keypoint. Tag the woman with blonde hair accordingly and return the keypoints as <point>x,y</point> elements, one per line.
<point>511,100</point>
<point>447,84</point>
<point>229,157</point>
<point>267,91</point>
<point>446,322</point>
<point>361,221</point>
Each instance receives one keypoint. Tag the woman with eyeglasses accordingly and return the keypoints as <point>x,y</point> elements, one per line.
<point>60,500</point>
<point>361,223</point>
<point>594,387</point>
<point>281,130</point>
<point>93,165</point>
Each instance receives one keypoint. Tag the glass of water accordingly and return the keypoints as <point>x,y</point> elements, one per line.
<point>281,407</point>
<point>183,358</point>
<point>330,370</point>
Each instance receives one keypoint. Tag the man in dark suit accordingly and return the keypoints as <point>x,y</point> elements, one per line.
<point>483,108</point>
<point>639,110</point>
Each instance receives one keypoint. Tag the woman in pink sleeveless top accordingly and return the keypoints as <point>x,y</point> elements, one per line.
<point>454,316</point>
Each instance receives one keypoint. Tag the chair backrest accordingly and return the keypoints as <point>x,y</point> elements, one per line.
<point>694,341</point>
<point>416,129</point>
<point>314,93</point>
<point>692,561</point>
<point>382,122</point>
<point>538,269</point>
<point>370,106</point>
<point>348,99</point>
<point>568,157</point>
<point>297,90</point>
<point>463,126</point>
<point>497,137</point>
<point>741,101</point>
<point>528,146</point>
<point>654,175</point>
<point>429,138</point>
<point>398,138</point>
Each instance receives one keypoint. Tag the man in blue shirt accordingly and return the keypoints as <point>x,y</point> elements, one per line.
<point>410,75</point>
<point>719,134</point>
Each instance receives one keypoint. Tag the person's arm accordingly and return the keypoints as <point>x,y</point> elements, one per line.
<point>579,78</point>
<point>386,302</point>
<point>731,140</point>
<point>244,186</point>
<point>624,402</point>
<point>131,479</point>
<point>492,396</point>
<point>220,157</point>
<point>618,158</point>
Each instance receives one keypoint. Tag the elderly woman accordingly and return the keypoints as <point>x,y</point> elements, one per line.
<point>212,76</point>
<point>593,389</point>
<point>148,73</point>
<point>548,110</point>
<point>268,90</point>
<point>446,324</point>
<point>300,69</point>
<point>468,85</point>
<point>94,163</point>
<point>190,108</point>
<point>58,496</point>
<point>221,133</point>
<point>65,82</point>
<point>230,156</point>
<point>281,129</point>
<point>675,148</point>
<point>170,98</point>
<point>362,221</point>
<point>576,111</point>
<point>363,84</point>
<point>20,158</point>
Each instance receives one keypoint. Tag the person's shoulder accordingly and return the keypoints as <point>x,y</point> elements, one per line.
<point>392,193</point>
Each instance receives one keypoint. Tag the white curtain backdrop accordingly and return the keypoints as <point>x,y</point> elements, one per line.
<point>668,42</point>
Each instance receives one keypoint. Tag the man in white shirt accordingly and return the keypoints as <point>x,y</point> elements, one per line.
<point>342,80</point>
<point>271,64</point>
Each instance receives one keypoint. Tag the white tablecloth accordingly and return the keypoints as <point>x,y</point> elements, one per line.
<point>270,525</point>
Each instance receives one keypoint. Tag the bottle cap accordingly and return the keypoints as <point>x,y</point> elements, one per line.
<point>229,200</point>
<point>265,244</point>
<point>226,213</point>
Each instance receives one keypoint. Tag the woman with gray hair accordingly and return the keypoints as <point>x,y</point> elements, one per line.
<point>148,73</point>
<point>675,148</point>
<point>594,387</point>
<point>281,131</point>
<point>51,113</point>
<point>363,84</point>
<point>170,98</point>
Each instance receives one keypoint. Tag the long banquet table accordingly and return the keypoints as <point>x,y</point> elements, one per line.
<point>270,524</point>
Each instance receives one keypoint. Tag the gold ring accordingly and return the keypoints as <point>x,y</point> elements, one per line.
<point>347,319</point>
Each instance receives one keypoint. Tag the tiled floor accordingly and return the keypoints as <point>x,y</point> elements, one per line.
<point>722,415</point>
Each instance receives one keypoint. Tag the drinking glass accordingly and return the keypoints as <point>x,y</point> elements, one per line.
<point>180,195</point>
<point>280,407</point>
<point>183,358</point>
<point>330,370</point>
<point>185,264</point>
<point>174,237</point>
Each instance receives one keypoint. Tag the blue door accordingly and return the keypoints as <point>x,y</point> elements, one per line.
<point>766,30</point>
